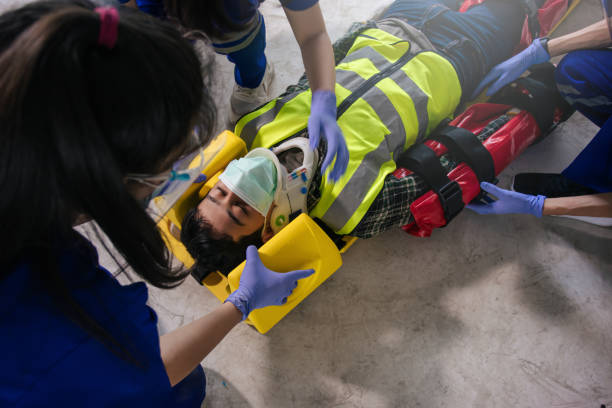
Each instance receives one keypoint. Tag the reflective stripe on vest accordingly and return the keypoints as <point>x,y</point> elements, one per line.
<point>388,99</point>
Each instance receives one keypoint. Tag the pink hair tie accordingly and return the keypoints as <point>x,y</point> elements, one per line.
<point>109,21</point>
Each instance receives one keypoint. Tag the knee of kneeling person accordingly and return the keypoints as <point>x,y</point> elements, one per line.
<point>577,69</point>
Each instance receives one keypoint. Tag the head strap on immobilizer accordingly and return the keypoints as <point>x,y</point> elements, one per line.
<point>423,161</point>
<point>109,22</point>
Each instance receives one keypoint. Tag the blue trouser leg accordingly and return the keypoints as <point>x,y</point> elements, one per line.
<point>474,41</point>
<point>245,48</point>
<point>584,78</point>
<point>250,62</point>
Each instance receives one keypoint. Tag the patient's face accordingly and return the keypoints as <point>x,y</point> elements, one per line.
<point>228,214</point>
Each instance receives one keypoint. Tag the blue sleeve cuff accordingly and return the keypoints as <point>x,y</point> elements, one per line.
<point>298,5</point>
<point>152,7</point>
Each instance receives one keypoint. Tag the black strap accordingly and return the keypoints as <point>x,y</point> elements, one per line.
<point>531,9</point>
<point>539,101</point>
<point>466,147</point>
<point>423,161</point>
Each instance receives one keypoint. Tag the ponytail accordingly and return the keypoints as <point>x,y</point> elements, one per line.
<point>76,116</point>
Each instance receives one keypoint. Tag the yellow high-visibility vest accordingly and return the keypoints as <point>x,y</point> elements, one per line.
<point>388,99</point>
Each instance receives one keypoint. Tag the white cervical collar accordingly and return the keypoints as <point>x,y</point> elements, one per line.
<point>291,194</point>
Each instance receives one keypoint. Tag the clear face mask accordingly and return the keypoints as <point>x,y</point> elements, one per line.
<point>170,185</point>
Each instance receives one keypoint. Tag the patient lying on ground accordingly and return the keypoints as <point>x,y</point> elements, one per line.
<point>249,204</point>
<point>394,89</point>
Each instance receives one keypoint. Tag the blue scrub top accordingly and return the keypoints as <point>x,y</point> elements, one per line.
<point>50,361</point>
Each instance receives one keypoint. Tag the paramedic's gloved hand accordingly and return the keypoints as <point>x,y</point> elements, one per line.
<point>508,202</point>
<point>323,120</point>
<point>261,287</point>
<point>511,69</point>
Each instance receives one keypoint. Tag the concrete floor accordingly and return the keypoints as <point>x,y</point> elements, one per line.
<point>492,311</point>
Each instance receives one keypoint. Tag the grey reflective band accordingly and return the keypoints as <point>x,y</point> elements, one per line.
<point>355,190</point>
<point>348,79</point>
<point>388,114</point>
<point>249,33</point>
<point>379,61</point>
<point>419,98</point>
<point>350,198</point>
<point>341,211</point>
<point>250,130</point>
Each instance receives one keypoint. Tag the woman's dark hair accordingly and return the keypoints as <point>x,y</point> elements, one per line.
<point>208,16</point>
<point>75,118</point>
<point>213,252</point>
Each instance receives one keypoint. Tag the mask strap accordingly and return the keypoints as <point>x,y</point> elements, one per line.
<point>109,21</point>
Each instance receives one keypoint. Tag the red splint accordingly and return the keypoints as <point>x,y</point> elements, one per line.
<point>504,146</point>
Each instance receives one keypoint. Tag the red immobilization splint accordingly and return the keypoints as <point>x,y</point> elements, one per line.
<point>504,146</point>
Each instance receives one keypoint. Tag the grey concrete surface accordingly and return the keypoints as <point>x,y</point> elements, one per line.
<point>492,311</point>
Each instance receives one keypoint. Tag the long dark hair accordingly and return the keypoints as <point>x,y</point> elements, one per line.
<point>75,117</point>
<point>213,252</point>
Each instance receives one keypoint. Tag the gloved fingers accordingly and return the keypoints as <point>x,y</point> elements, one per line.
<point>314,131</point>
<point>297,275</point>
<point>490,77</point>
<point>252,258</point>
<point>336,147</point>
<point>492,189</point>
<point>283,301</point>
<point>503,80</point>
<point>342,158</point>
<point>487,199</point>
<point>479,208</point>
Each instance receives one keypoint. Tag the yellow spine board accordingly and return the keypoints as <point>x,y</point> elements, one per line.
<point>300,245</point>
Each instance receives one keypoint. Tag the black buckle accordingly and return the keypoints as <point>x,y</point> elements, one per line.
<point>532,9</point>
<point>451,199</point>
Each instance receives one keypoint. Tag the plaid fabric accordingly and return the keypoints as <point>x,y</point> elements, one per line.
<point>391,208</point>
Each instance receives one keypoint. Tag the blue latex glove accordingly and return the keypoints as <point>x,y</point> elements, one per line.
<point>508,202</point>
<point>509,70</point>
<point>323,119</point>
<point>260,287</point>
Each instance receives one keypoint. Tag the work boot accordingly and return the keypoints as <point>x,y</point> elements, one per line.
<point>245,100</point>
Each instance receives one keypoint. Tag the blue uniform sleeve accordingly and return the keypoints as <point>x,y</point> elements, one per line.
<point>298,5</point>
<point>152,7</point>
<point>54,362</point>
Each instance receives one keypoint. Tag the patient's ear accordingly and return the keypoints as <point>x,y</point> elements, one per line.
<point>267,234</point>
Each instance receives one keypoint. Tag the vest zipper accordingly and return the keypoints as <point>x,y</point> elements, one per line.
<point>374,79</point>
